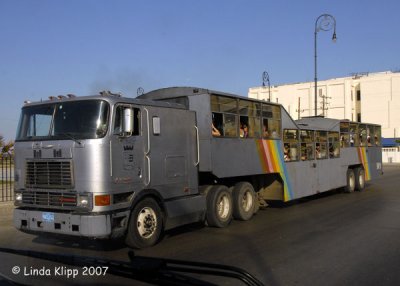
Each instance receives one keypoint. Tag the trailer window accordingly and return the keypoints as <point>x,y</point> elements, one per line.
<point>230,125</point>
<point>333,142</point>
<point>307,145</point>
<point>377,135</point>
<point>362,133</point>
<point>224,116</point>
<point>321,140</point>
<point>249,119</point>
<point>354,136</point>
<point>225,124</point>
<point>291,145</point>
<point>344,134</point>
<point>271,120</point>
<point>223,104</point>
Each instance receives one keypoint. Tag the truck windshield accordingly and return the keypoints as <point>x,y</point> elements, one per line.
<point>64,120</point>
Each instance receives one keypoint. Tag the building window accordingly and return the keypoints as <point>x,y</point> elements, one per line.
<point>358,117</point>
<point>358,95</point>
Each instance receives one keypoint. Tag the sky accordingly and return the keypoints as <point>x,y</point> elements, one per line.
<point>54,47</point>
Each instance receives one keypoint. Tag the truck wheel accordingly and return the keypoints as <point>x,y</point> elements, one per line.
<point>244,200</point>
<point>360,179</point>
<point>351,181</point>
<point>219,207</point>
<point>145,224</point>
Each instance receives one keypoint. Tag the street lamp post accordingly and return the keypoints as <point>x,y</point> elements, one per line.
<point>265,77</point>
<point>325,22</point>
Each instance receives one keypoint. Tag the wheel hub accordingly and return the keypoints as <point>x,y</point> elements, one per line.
<point>146,222</point>
<point>223,207</point>
<point>247,201</point>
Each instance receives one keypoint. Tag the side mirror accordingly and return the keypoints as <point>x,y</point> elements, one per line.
<point>128,121</point>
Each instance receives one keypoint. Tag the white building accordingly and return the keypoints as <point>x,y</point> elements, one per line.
<point>366,97</point>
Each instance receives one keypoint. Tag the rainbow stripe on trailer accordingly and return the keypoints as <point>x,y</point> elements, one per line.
<point>363,156</point>
<point>272,161</point>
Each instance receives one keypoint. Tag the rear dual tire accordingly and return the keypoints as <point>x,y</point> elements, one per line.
<point>355,180</point>
<point>360,179</point>
<point>219,206</point>
<point>244,201</point>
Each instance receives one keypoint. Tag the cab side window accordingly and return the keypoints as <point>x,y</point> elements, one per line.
<point>120,121</point>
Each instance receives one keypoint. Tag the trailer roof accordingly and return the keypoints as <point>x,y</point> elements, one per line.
<point>173,92</point>
<point>318,123</point>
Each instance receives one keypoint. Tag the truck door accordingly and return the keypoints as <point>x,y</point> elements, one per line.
<point>127,148</point>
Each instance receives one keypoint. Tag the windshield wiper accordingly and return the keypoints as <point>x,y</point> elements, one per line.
<point>70,136</point>
<point>158,271</point>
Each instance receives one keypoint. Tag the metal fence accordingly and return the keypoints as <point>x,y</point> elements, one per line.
<point>6,179</point>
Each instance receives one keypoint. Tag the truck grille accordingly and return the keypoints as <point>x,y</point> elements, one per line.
<point>54,199</point>
<point>49,174</point>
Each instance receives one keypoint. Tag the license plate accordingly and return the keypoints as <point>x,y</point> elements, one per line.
<point>48,217</point>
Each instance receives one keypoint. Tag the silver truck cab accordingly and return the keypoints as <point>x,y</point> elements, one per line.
<point>83,165</point>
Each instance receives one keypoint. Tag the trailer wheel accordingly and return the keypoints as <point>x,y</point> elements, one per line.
<point>351,181</point>
<point>244,200</point>
<point>360,179</point>
<point>219,206</point>
<point>145,224</point>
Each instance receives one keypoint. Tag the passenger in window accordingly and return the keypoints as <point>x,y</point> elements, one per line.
<point>215,131</point>
<point>286,155</point>
<point>244,132</point>
<point>376,140</point>
<point>274,134</point>
<point>361,140</point>
<point>369,141</point>
<point>318,151</point>
<point>265,131</point>
<point>331,151</point>
<point>351,140</point>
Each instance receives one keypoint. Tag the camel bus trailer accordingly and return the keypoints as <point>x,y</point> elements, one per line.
<point>106,166</point>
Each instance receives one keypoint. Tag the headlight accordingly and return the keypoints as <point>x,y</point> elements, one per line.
<point>18,197</point>
<point>85,200</point>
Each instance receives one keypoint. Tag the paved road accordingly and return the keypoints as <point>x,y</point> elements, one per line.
<point>334,239</point>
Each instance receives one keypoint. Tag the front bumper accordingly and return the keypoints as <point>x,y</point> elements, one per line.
<point>93,226</point>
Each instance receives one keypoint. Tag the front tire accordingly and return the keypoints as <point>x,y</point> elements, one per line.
<point>145,224</point>
<point>219,206</point>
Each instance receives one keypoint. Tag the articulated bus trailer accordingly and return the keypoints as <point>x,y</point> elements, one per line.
<point>107,166</point>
